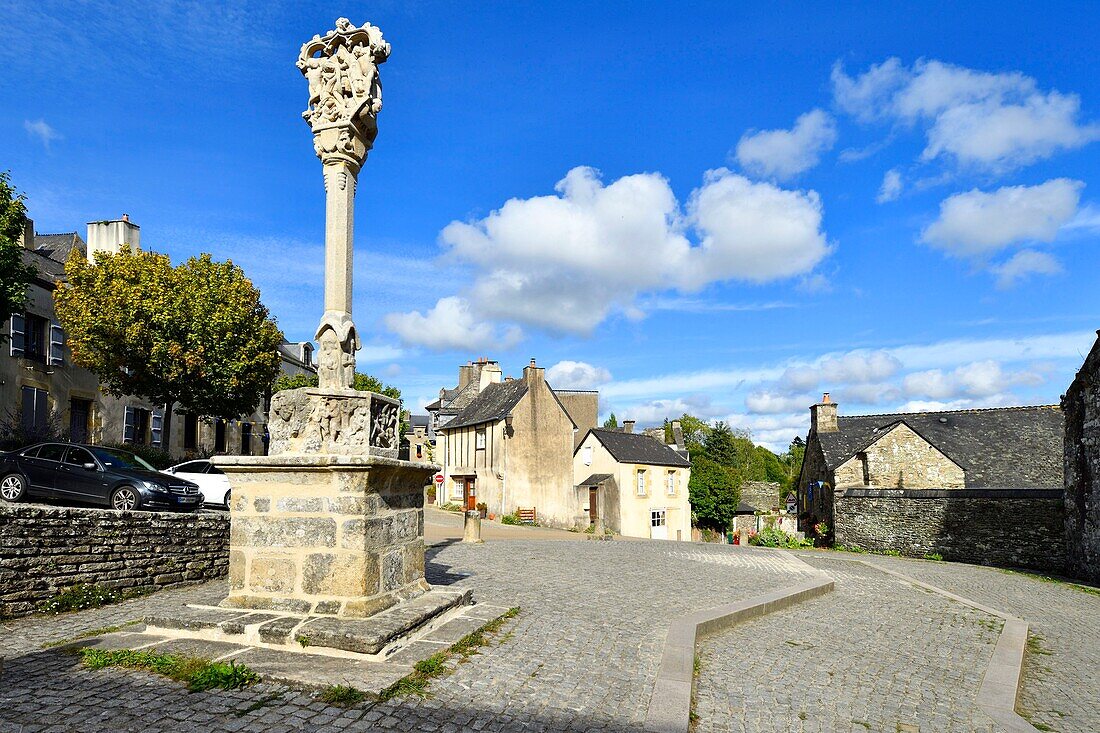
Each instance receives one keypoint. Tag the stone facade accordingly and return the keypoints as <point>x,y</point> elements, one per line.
<point>1081,405</point>
<point>44,550</point>
<point>1006,527</point>
<point>762,496</point>
<point>900,459</point>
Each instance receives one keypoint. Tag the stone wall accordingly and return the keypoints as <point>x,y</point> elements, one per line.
<point>761,495</point>
<point>1006,527</point>
<point>44,550</point>
<point>1081,406</point>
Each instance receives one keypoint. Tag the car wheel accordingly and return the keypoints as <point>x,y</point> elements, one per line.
<point>228,496</point>
<point>13,487</point>
<point>125,498</point>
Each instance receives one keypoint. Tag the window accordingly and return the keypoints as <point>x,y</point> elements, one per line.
<point>80,418</point>
<point>246,439</point>
<point>36,409</point>
<point>672,483</point>
<point>52,452</point>
<point>57,345</point>
<point>479,439</point>
<point>641,483</point>
<point>190,432</point>
<point>657,518</point>
<point>78,457</point>
<point>219,436</point>
<point>193,467</point>
<point>587,455</point>
<point>136,426</point>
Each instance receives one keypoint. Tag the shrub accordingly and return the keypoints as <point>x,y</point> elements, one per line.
<point>509,519</point>
<point>772,537</point>
<point>450,506</point>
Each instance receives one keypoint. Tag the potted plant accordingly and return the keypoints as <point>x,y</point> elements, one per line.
<point>483,508</point>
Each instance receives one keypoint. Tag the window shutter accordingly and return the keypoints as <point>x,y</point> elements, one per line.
<point>18,334</point>
<point>128,429</point>
<point>157,427</point>
<point>41,408</point>
<point>57,345</point>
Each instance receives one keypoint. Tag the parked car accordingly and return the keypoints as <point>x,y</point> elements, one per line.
<point>213,483</point>
<point>92,474</point>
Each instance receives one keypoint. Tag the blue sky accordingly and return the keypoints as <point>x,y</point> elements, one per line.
<point>717,208</point>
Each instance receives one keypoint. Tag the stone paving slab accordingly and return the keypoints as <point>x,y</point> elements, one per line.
<point>315,671</point>
<point>202,648</point>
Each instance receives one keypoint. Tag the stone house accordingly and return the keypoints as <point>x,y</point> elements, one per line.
<point>41,388</point>
<point>981,485</point>
<point>512,446</point>
<point>633,484</point>
<point>1081,405</point>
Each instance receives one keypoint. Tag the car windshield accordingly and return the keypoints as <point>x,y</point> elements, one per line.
<point>120,459</point>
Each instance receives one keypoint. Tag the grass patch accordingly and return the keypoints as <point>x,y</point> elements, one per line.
<point>417,682</point>
<point>935,556</point>
<point>198,674</point>
<point>90,634</point>
<point>343,696</point>
<point>81,597</point>
<point>1035,646</point>
<point>1051,579</point>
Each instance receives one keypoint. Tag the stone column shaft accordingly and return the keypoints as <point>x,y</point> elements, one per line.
<point>340,181</point>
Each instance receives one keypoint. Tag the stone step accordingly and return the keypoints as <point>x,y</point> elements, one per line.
<point>372,635</point>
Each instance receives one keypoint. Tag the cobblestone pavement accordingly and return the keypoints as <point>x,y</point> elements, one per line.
<point>1061,681</point>
<point>582,655</point>
<point>876,654</point>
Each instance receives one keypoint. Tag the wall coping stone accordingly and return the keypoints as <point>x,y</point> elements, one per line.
<point>975,493</point>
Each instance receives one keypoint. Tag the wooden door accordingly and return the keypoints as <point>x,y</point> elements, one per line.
<point>469,493</point>
<point>593,511</point>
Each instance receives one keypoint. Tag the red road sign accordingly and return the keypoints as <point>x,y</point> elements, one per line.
<point>439,478</point>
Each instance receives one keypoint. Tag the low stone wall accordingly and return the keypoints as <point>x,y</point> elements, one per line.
<point>1007,527</point>
<point>44,550</point>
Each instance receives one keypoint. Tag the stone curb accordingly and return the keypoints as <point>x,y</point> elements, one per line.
<point>1001,682</point>
<point>670,704</point>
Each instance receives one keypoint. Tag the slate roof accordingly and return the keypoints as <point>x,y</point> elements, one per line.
<point>638,448</point>
<point>58,246</point>
<point>595,479</point>
<point>494,402</point>
<point>1002,447</point>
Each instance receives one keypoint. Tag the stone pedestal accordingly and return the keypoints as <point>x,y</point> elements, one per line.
<point>471,528</point>
<point>333,524</point>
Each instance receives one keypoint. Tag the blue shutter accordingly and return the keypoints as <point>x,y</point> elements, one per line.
<point>18,334</point>
<point>128,426</point>
<point>157,427</point>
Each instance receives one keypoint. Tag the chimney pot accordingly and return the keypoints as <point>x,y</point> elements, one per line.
<point>628,426</point>
<point>825,399</point>
<point>126,217</point>
<point>823,416</point>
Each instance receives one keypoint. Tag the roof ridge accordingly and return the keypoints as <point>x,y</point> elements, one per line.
<point>954,412</point>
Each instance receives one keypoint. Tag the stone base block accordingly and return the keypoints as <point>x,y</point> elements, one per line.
<point>323,534</point>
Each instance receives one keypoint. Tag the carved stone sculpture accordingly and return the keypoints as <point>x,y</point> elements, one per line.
<point>345,96</point>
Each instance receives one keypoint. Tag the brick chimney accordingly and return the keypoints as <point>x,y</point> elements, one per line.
<point>823,416</point>
<point>628,426</point>
<point>533,374</point>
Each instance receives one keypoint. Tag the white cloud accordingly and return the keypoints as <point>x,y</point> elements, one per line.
<point>979,379</point>
<point>566,262</point>
<point>855,367</point>
<point>577,375</point>
<point>977,223</point>
<point>450,325</point>
<point>783,154</point>
<point>815,284</point>
<point>1023,264</point>
<point>891,187</point>
<point>989,121</point>
<point>767,402</point>
<point>41,130</point>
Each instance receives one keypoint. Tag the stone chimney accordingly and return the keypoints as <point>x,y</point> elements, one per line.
<point>628,426</point>
<point>823,416</point>
<point>465,374</point>
<point>27,236</point>
<point>490,374</point>
<point>112,236</point>
<point>677,433</point>
<point>533,374</point>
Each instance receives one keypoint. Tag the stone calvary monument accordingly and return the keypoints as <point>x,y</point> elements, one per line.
<point>331,523</point>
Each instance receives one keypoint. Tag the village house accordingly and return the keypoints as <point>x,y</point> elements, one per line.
<point>512,445</point>
<point>1081,405</point>
<point>633,484</point>
<point>982,485</point>
<point>47,395</point>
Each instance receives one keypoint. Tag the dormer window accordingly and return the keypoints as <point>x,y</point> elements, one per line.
<point>307,354</point>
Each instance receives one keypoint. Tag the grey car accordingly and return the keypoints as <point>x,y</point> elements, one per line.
<point>95,475</point>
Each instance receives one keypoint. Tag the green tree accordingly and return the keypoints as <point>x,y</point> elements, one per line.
<point>695,432</point>
<point>196,334</point>
<point>720,446</point>
<point>714,491</point>
<point>792,461</point>
<point>15,275</point>
<point>611,422</point>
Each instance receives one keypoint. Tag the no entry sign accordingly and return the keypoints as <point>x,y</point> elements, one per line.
<point>439,478</point>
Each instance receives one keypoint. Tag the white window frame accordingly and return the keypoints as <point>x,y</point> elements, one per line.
<point>641,489</point>
<point>18,339</point>
<point>57,345</point>
<point>479,439</point>
<point>672,483</point>
<point>658,518</point>
<point>586,455</point>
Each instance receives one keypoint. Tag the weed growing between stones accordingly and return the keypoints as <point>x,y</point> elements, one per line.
<point>81,597</point>
<point>90,634</point>
<point>343,696</point>
<point>198,674</point>
<point>434,666</point>
<point>934,556</point>
<point>1051,579</point>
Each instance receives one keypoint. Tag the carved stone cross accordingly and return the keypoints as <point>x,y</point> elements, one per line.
<point>345,96</point>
